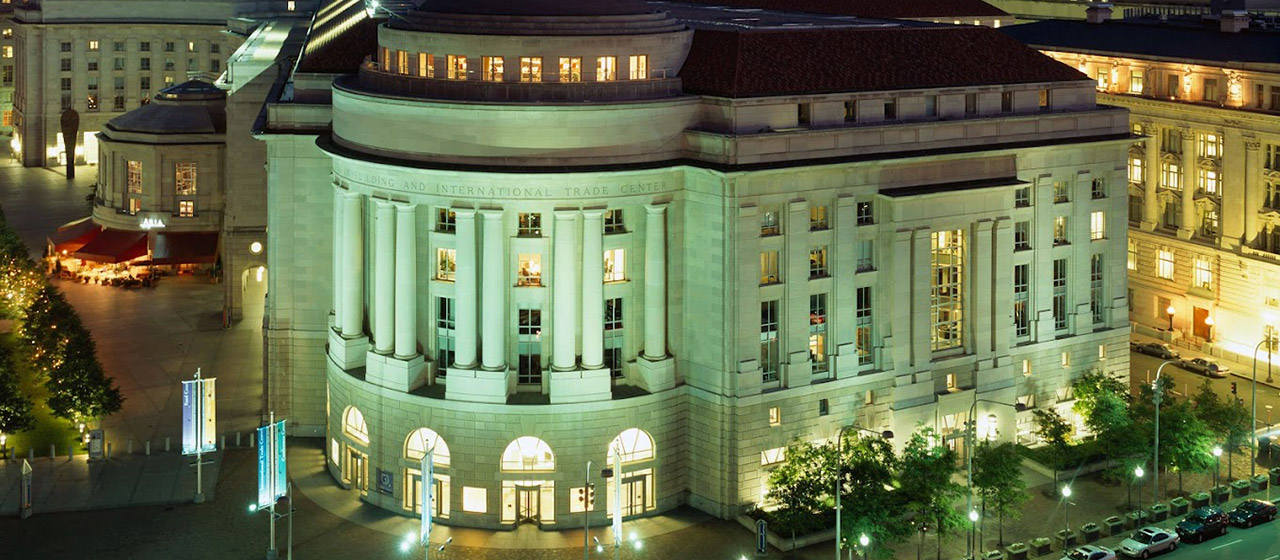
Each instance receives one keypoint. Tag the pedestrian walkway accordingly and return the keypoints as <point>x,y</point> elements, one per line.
<point>73,484</point>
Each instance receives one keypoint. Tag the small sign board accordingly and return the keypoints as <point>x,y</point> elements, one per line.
<point>385,482</point>
<point>762,538</point>
<point>95,445</point>
<point>272,479</point>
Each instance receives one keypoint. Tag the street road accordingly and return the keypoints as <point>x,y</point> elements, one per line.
<point>1256,543</point>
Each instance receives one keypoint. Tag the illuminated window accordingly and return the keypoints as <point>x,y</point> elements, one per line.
<point>474,500</point>
<point>186,178</point>
<point>186,208</point>
<point>446,264</point>
<point>1171,176</point>
<point>571,69</point>
<point>639,67</point>
<point>633,445</point>
<point>1095,288</point>
<point>863,325</point>
<point>530,69</point>
<point>1098,189</point>
<point>769,268</point>
<point>1136,80</point>
<point>1021,300</point>
<point>1209,181</point>
<point>775,416</point>
<point>93,45</point>
<point>1061,192</point>
<point>864,213</point>
<point>1164,264</point>
<point>1022,197</point>
<point>614,265</point>
<point>818,262</point>
<point>1097,226</point>
<point>135,205</point>
<point>402,63</point>
<point>613,221</point>
<point>491,68</point>
<point>528,454</point>
<point>1210,145</point>
<point>457,67</point>
<point>1136,173</point>
<point>426,65</point>
<point>773,456</point>
<point>529,224</point>
<point>1021,236</point>
<point>818,333</point>
<point>133,177</point>
<point>1133,255</point>
<point>7,33</point>
<point>769,340</point>
<point>446,220</point>
<point>1102,351</point>
<point>1060,232</point>
<point>1210,89</point>
<point>530,271</point>
<point>1209,223</point>
<point>1066,359</point>
<point>946,295</point>
<point>770,223</point>
<point>613,336</point>
<point>817,218</point>
<point>423,440</point>
<point>1060,294</point>
<point>606,68</point>
<point>353,425</point>
<point>1026,367</point>
<point>1203,274</point>
<point>446,321</point>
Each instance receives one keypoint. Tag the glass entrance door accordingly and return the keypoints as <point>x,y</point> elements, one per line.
<point>527,504</point>
<point>633,496</point>
<point>357,472</point>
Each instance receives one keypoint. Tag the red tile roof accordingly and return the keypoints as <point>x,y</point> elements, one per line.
<point>898,9</point>
<point>813,61</point>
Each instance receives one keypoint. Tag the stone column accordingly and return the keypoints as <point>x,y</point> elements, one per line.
<point>464,290</point>
<point>1150,203</point>
<point>565,300</point>
<point>384,277</point>
<point>655,282</point>
<point>592,289</point>
<point>406,282</point>
<point>981,319</point>
<point>337,257</point>
<point>1253,190</point>
<point>493,343</point>
<point>1190,182</point>
<point>353,263</point>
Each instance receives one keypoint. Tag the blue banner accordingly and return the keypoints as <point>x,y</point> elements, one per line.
<point>273,481</point>
<point>190,410</point>
<point>199,429</point>
<point>282,477</point>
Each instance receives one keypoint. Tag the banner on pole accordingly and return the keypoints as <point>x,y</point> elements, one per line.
<point>428,491</point>
<point>617,498</point>
<point>199,412</point>
<point>24,501</point>
<point>272,479</point>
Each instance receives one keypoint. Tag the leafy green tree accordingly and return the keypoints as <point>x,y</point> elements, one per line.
<point>15,408</point>
<point>1228,419</point>
<point>997,474</point>
<point>78,387</point>
<point>1185,441</point>
<point>802,485</point>
<point>867,466</point>
<point>926,472</point>
<point>1052,429</point>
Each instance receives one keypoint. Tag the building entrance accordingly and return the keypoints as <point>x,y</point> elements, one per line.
<point>527,504</point>
<point>356,470</point>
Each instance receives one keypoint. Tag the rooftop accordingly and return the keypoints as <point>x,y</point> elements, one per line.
<point>1181,39</point>
<point>901,9</point>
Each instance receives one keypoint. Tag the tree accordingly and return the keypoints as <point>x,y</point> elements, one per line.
<point>1228,419</point>
<point>867,466</point>
<point>802,485</point>
<point>997,474</point>
<point>1185,440</point>
<point>78,387</point>
<point>928,491</point>
<point>15,408</point>
<point>1052,429</point>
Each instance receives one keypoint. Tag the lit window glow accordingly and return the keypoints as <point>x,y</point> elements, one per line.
<point>527,453</point>
<point>422,440</point>
<point>353,425</point>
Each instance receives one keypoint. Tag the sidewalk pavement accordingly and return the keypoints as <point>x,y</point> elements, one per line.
<point>62,484</point>
<point>1238,369</point>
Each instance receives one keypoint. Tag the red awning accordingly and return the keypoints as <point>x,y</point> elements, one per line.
<point>185,248</point>
<point>71,237</point>
<point>114,246</point>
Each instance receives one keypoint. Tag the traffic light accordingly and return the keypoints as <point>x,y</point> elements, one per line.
<point>587,496</point>
<point>1233,387</point>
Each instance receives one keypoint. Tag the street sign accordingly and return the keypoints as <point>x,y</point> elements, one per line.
<point>24,501</point>
<point>199,413</point>
<point>762,538</point>
<point>428,489</point>
<point>272,479</point>
<point>95,444</point>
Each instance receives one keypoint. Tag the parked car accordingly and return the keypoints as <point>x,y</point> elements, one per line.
<point>1149,540</point>
<point>1203,366</point>
<point>1252,512</point>
<point>1091,552</point>
<point>1205,522</point>
<point>1157,349</point>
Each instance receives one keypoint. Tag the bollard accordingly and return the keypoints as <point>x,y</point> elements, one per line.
<point>108,455</point>
<point>166,445</point>
<point>237,439</point>
<point>53,452</point>
<point>71,452</point>
<point>31,454</point>
<point>146,447</point>
<point>128,448</point>
<point>223,442</point>
<point>251,436</point>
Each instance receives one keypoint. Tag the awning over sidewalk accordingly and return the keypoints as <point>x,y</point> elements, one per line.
<point>185,248</point>
<point>114,246</point>
<point>71,237</point>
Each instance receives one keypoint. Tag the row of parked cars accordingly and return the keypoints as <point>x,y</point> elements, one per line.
<point>1202,366</point>
<point>1201,524</point>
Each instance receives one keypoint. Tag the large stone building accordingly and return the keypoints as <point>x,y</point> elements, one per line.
<point>503,236</point>
<point>1204,187</point>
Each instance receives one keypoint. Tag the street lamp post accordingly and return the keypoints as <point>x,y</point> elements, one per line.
<point>1137,474</point>
<point>1066,508</point>
<point>865,543</point>
<point>1170,311</point>
<point>1208,323</point>
<point>969,434</point>
<point>1157,395</point>
<point>973,525</point>
<point>1253,445</point>
<point>1217,466</point>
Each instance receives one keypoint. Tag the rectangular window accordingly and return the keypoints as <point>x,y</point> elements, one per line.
<point>1209,223</point>
<point>818,262</point>
<point>1061,192</point>
<point>529,225</point>
<point>1095,288</point>
<point>529,346</point>
<point>457,67</point>
<point>775,416</point>
<point>571,69</point>
<point>1164,264</point>
<point>169,64</point>
<point>402,63</point>
<point>92,65</point>
<point>6,75</point>
<point>1210,89</point>
<point>639,66</point>
<point>446,321</point>
<point>1171,85</point>
<point>1136,79</point>
<point>135,205</point>
<point>850,111</point>
<point>1060,231</point>
<point>491,68</point>
<point>1022,197</point>
<point>133,177</point>
<point>1021,300</point>
<point>1171,141</point>
<point>530,271</point>
<point>824,408</point>
<point>1272,163</point>
<point>1210,145</point>
<point>446,220</point>
<point>946,294</point>
<point>774,456</point>
<point>865,214</point>
<point>185,178</point>
<point>186,208</point>
<point>614,265</point>
<point>1171,176</point>
<point>930,105</point>
<point>144,63</point>
<point>769,340</point>
<point>474,500</point>
<point>817,218</point>
<point>606,68</point>
<point>1060,294</point>
<point>1209,181</point>
<point>1136,173</point>
<point>863,325</point>
<point>426,65</point>
<point>446,264</point>
<point>1203,275</point>
<point>65,65</point>
<point>770,223</point>
<point>530,69</point>
<point>1133,255</point>
<point>1097,226</point>
<point>970,103</point>
<point>613,336</point>
<point>1098,189</point>
<point>804,112</point>
<point>613,221</point>
<point>769,268</point>
<point>891,109</point>
<point>1021,236</point>
<point>215,48</point>
<point>864,255</point>
<point>168,46</point>
<point>64,46</point>
<point>1172,217</point>
<point>818,333</point>
<point>144,46</point>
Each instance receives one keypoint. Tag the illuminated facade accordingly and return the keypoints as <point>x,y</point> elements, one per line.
<point>523,245</point>
<point>1204,186</point>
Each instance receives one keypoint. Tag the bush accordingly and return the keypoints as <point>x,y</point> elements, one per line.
<point>1069,457</point>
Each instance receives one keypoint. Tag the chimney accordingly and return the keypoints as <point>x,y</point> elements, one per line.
<point>1234,21</point>
<point>1098,12</point>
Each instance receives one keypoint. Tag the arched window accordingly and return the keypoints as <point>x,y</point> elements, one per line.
<point>354,426</point>
<point>633,445</point>
<point>422,439</point>
<point>528,454</point>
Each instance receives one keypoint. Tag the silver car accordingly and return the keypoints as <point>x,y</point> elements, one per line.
<point>1149,540</point>
<point>1206,367</point>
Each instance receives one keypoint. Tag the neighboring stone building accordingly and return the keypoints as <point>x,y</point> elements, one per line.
<point>1204,188</point>
<point>501,236</point>
<point>956,12</point>
<point>7,70</point>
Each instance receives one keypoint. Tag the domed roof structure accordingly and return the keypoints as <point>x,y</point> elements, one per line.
<point>192,107</point>
<point>550,8</point>
<point>537,17</point>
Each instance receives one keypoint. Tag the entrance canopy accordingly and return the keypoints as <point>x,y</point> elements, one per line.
<point>185,248</point>
<point>71,237</point>
<point>114,246</point>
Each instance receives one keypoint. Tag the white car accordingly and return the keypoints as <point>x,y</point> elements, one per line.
<point>1091,552</point>
<point>1149,540</point>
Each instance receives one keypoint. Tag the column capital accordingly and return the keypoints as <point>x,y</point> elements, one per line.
<point>1187,133</point>
<point>565,214</point>
<point>405,207</point>
<point>384,203</point>
<point>490,213</point>
<point>656,208</point>
<point>593,213</point>
<point>1252,144</point>
<point>349,194</point>
<point>461,213</point>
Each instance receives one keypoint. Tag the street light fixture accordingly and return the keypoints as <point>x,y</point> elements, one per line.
<point>1170,311</point>
<point>1217,466</point>
<point>1137,474</point>
<point>1208,323</point>
<point>1157,395</point>
<point>973,525</point>
<point>969,434</point>
<point>1253,445</point>
<point>1066,497</point>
